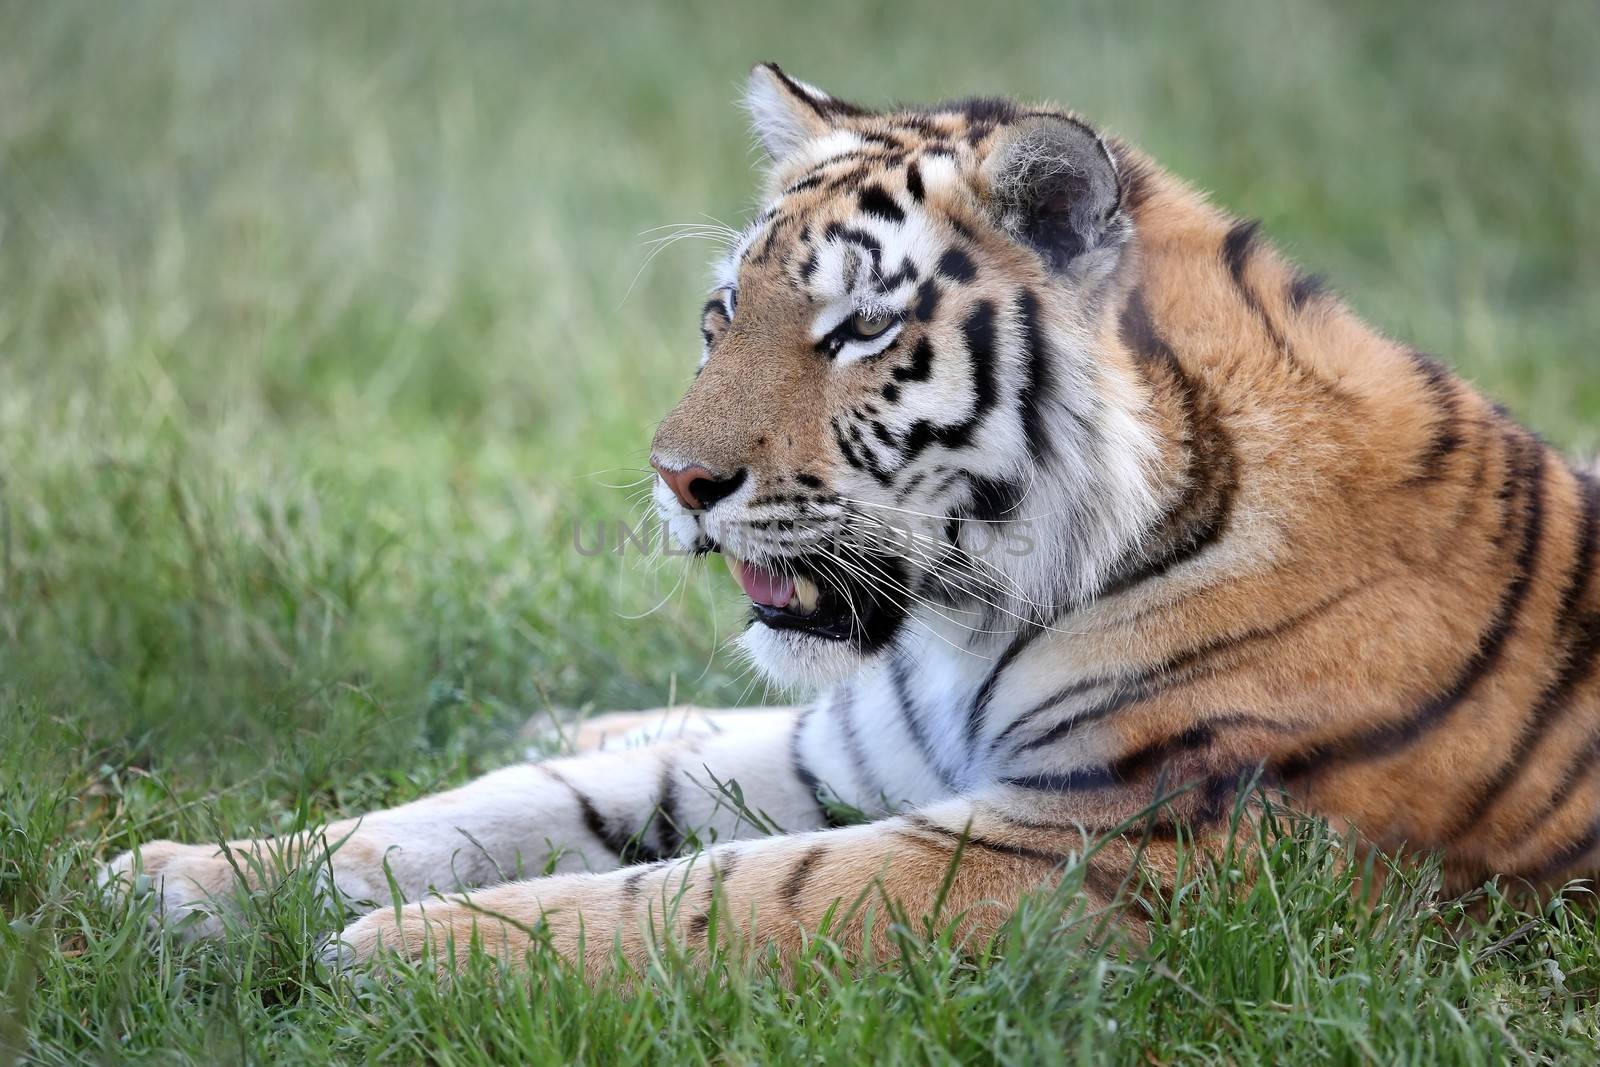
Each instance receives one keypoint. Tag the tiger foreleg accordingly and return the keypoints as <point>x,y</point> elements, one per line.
<point>960,862</point>
<point>592,812</point>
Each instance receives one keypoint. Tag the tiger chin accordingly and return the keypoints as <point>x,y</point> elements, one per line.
<point>1072,506</point>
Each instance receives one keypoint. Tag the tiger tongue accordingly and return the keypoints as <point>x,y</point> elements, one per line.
<point>761,585</point>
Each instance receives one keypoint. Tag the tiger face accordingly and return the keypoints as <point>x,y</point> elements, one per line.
<point>911,411</point>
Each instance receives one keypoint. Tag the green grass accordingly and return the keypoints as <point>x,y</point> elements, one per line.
<point>317,322</point>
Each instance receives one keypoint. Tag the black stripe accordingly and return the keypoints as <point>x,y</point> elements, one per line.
<point>888,283</point>
<point>1228,642</point>
<point>714,306</point>
<point>839,231</point>
<point>911,485</point>
<point>927,302</point>
<point>1021,722</point>
<point>881,432</point>
<point>883,139</point>
<point>812,784</point>
<point>1158,679</point>
<point>957,225</point>
<point>826,107</point>
<point>1507,495</point>
<point>1526,464</point>
<point>1440,385</point>
<point>630,884</point>
<point>958,265</point>
<point>795,881</point>
<point>810,181</point>
<point>921,365</point>
<point>858,454</point>
<point>1039,384</point>
<point>1238,247</point>
<point>1567,857</point>
<point>722,870</point>
<point>764,253</point>
<point>668,819</point>
<point>918,125</point>
<point>1099,882</point>
<point>847,180</point>
<point>1083,780</point>
<point>1220,793</point>
<point>843,708</point>
<point>700,923</point>
<point>1138,331</point>
<point>933,848</point>
<point>982,109</point>
<point>628,848</point>
<point>1584,657</point>
<point>875,200</point>
<point>1304,289</point>
<point>846,450</point>
<point>970,840</point>
<point>1578,641</point>
<point>1577,770</point>
<point>1200,516</point>
<point>992,499</point>
<point>1156,758</point>
<point>1156,755</point>
<point>978,330</point>
<point>1214,799</point>
<point>978,712</point>
<point>908,714</point>
<point>914,182</point>
<point>1124,697</point>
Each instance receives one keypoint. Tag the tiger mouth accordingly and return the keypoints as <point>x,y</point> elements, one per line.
<point>797,595</point>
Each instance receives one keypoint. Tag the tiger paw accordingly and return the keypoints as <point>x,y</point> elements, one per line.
<point>439,931</point>
<point>192,884</point>
<point>504,922</point>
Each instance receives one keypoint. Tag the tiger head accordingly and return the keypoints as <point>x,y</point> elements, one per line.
<point>911,411</point>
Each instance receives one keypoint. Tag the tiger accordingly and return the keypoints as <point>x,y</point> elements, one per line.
<point>1074,514</point>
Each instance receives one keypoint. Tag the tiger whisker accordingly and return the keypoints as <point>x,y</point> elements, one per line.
<point>1010,588</point>
<point>942,576</point>
<point>660,245</point>
<point>912,594</point>
<point>941,518</point>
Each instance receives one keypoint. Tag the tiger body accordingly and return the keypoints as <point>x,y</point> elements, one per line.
<point>1264,542</point>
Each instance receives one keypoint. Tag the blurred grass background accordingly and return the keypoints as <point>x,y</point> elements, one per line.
<point>321,324</point>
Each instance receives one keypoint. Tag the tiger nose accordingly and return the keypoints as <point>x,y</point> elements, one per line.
<point>697,488</point>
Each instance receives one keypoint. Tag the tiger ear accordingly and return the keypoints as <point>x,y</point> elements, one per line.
<point>786,112</point>
<point>1053,185</point>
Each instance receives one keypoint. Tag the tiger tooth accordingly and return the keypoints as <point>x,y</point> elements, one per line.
<point>734,566</point>
<point>806,594</point>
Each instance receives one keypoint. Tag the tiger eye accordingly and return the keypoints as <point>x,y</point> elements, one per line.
<point>871,323</point>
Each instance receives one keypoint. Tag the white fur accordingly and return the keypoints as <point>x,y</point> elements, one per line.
<point>782,123</point>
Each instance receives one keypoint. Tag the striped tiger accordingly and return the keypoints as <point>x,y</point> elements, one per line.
<point>1077,508</point>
